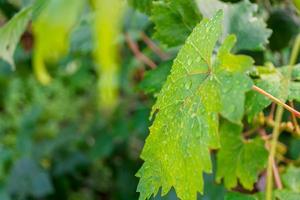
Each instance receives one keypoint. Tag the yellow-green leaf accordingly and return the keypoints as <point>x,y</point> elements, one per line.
<point>52,28</point>
<point>239,160</point>
<point>109,15</point>
<point>241,19</point>
<point>185,127</point>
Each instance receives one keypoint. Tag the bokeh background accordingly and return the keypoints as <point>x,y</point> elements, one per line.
<point>72,124</point>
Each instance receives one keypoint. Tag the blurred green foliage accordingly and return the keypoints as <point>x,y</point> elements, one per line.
<point>55,143</point>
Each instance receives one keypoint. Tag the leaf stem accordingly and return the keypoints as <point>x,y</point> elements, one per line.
<point>278,118</point>
<point>277,101</point>
<point>277,176</point>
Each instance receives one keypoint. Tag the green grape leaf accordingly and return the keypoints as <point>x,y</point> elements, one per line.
<point>185,128</point>
<point>154,79</point>
<point>240,19</point>
<point>174,20</point>
<point>234,86</point>
<point>239,160</point>
<point>291,179</point>
<point>142,5</point>
<point>52,33</point>
<point>11,33</point>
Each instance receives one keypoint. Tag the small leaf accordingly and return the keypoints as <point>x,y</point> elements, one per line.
<point>174,20</point>
<point>233,84</point>
<point>10,34</point>
<point>239,160</point>
<point>240,19</point>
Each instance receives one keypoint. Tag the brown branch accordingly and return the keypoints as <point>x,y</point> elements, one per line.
<point>271,115</point>
<point>249,132</point>
<point>276,100</point>
<point>263,134</point>
<point>277,176</point>
<point>294,119</point>
<point>266,138</point>
<point>154,47</point>
<point>137,53</point>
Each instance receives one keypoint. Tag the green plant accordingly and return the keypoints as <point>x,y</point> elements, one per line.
<point>210,102</point>
<point>223,76</point>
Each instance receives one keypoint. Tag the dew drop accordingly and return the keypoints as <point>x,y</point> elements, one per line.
<point>188,85</point>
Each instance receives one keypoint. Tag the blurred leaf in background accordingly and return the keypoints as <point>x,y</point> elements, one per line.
<point>10,34</point>
<point>51,31</point>
<point>74,68</point>
<point>108,24</point>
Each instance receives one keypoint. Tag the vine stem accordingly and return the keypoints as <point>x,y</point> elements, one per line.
<point>278,118</point>
<point>277,101</point>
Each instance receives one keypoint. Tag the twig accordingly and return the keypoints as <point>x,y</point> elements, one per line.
<point>154,47</point>
<point>273,107</point>
<point>249,132</point>
<point>276,100</point>
<point>294,119</point>
<point>264,135</point>
<point>137,53</point>
<point>278,118</point>
<point>266,138</point>
<point>276,176</point>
